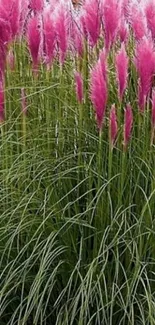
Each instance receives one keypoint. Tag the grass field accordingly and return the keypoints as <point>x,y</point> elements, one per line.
<point>77,163</point>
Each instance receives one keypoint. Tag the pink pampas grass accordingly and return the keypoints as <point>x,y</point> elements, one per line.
<point>122,70</point>
<point>150,16</point>
<point>92,20</point>
<point>61,27</point>
<point>128,122</point>
<point>79,86</point>
<point>98,92</point>
<point>10,11</point>
<point>145,64</point>
<point>138,22</point>
<point>123,31</point>
<point>49,36</point>
<point>36,5</point>
<point>111,21</point>
<point>34,39</point>
<point>113,125</point>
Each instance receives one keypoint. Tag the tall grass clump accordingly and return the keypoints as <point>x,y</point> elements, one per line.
<point>77,162</point>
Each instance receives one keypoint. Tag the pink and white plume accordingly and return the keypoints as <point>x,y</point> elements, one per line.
<point>34,39</point>
<point>145,64</point>
<point>92,20</point>
<point>49,36</point>
<point>61,28</point>
<point>98,92</point>
<point>138,22</point>
<point>111,21</point>
<point>121,64</point>
<point>150,16</point>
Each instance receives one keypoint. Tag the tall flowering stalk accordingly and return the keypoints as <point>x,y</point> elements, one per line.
<point>111,21</point>
<point>61,28</point>
<point>153,115</point>
<point>128,122</point>
<point>138,22</point>
<point>98,92</point>
<point>79,86</point>
<point>113,125</point>
<point>123,31</point>
<point>49,36</point>
<point>121,63</point>
<point>23,101</point>
<point>34,39</point>
<point>92,20</point>
<point>2,110</point>
<point>150,16</point>
<point>145,64</point>
<point>10,11</point>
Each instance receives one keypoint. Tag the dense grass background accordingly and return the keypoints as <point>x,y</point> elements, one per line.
<point>77,227</point>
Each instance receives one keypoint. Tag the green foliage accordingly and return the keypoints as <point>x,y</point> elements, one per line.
<point>77,228</point>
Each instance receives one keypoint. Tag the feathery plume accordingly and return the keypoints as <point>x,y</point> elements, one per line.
<point>150,16</point>
<point>121,64</point>
<point>79,86</point>
<point>145,64</point>
<point>138,22</point>
<point>111,21</point>
<point>98,92</point>
<point>10,12</point>
<point>49,36</point>
<point>92,20</point>
<point>61,28</point>
<point>128,122</point>
<point>36,5</point>
<point>123,30</point>
<point>34,39</point>
<point>113,124</point>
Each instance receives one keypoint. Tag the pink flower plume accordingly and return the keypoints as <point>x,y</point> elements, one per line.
<point>49,36</point>
<point>79,86</point>
<point>36,5</point>
<point>122,70</point>
<point>10,11</point>
<point>92,20</point>
<point>61,27</point>
<point>138,22</point>
<point>145,64</point>
<point>113,124</point>
<point>111,21</point>
<point>34,39</point>
<point>128,122</point>
<point>98,92</point>
<point>123,30</point>
<point>150,16</point>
